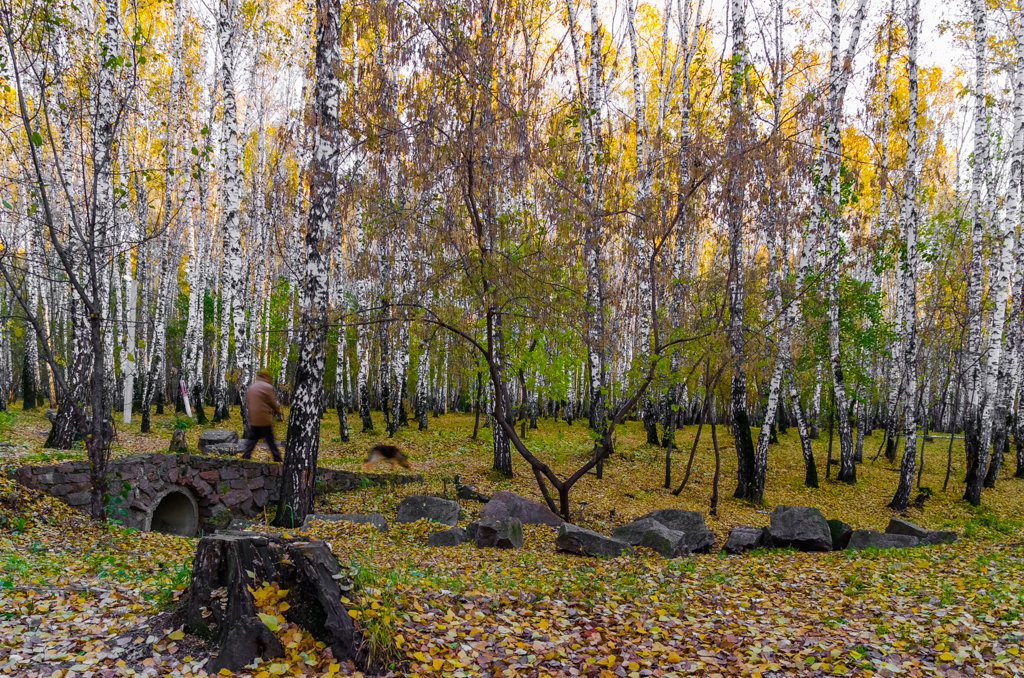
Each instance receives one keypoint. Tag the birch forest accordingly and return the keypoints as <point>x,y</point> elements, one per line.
<point>534,210</point>
<point>615,255</point>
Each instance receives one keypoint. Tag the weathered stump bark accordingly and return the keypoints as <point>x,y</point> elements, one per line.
<point>219,606</point>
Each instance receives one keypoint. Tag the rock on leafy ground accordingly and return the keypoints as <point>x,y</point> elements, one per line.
<point>81,599</point>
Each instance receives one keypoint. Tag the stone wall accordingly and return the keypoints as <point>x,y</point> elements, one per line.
<point>223,488</point>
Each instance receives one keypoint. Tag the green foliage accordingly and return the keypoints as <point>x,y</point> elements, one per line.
<point>115,500</point>
<point>986,522</point>
<point>180,575</point>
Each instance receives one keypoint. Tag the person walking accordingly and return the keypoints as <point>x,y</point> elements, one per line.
<point>261,401</point>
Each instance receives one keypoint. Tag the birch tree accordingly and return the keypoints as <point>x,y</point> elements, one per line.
<point>908,226</point>
<point>299,472</point>
<point>975,281</point>
<point>735,197</point>
<point>831,207</point>
<point>1000,287</point>
<point>232,302</point>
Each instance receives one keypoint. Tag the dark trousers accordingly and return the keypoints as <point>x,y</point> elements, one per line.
<point>261,433</point>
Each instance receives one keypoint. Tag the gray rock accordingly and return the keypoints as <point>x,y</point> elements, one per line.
<point>510,505</point>
<point>584,542</point>
<point>862,539</point>
<point>216,436</point>
<point>419,506</point>
<point>376,519</point>
<point>502,533</point>
<point>698,538</point>
<point>802,527</point>
<point>633,533</point>
<point>743,538</point>
<point>840,534</point>
<point>51,415</point>
<point>929,537</point>
<point>453,536</point>
<point>470,493</point>
<point>669,543</point>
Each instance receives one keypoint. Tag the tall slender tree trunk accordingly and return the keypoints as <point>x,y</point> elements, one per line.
<point>592,102</point>
<point>909,218</point>
<point>977,471</point>
<point>735,192</point>
<point>776,255</point>
<point>299,472</point>
<point>831,205</point>
<point>975,282</point>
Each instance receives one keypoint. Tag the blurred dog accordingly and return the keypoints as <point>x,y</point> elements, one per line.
<point>388,453</point>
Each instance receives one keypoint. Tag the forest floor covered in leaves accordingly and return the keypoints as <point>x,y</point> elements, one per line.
<point>81,599</point>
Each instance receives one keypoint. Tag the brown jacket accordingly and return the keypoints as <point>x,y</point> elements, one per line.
<point>261,402</point>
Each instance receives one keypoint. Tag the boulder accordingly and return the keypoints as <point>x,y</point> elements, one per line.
<point>216,436</point>
<point>470,493</point>
<point>633,533</point>
<point>698,538</point>
<point>51,415</point>
<point>510,505</point>
<point>502,533</point>
<point>669,543</point>
<point>905,527</point>
<point>586,542</point>
<point>802,527</point>
<point>743,538</point>
<point>178,444</point>
<point>376,519</point>
<point>862,539</point>
<point>840,534</point>
<point>453,536</point>
<point>423,506</point>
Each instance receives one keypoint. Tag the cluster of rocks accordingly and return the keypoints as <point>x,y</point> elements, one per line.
<point>500,524</point>
<point>674,533</point>
<point>806,529</point>
<point>670,532</point>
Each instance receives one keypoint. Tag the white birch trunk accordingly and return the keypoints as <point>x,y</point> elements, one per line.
<point>909,218</point>
<point>829,201</point>
<point>975,282</point>
<point>1001,283</point>
<point>299,472</point>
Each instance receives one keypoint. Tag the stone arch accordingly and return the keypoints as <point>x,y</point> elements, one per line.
<point>174,511</point>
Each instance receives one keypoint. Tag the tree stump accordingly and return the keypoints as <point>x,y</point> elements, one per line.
<point>178,444</point>
<point>219,606</point>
